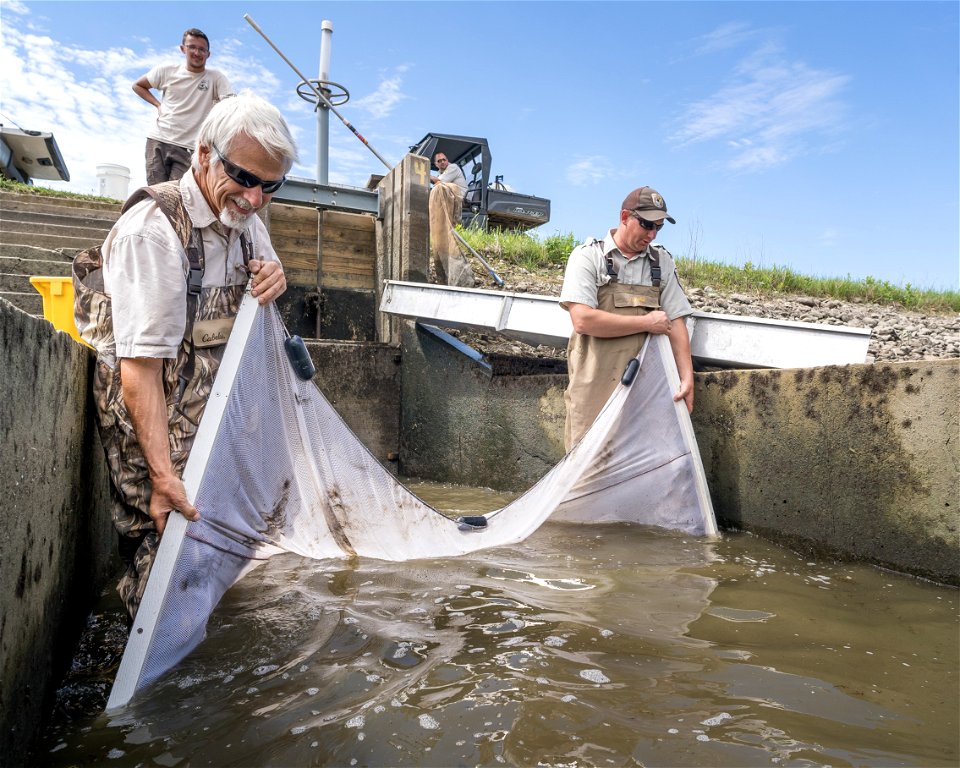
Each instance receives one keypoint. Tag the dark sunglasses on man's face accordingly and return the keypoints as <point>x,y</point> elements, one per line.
<point>246,179</point>
<point>650,226</point>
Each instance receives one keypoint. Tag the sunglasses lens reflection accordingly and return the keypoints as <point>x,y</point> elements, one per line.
<point>246,179</point>
<point>650,226</point>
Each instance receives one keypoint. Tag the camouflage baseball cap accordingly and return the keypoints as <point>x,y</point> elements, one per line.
<point>647,202</point>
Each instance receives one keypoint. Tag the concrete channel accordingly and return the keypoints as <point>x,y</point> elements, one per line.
<point>852,462</point>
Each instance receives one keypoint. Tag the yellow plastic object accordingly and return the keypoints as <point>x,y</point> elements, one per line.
<point>57,293</point>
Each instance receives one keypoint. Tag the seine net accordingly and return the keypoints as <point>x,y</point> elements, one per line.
<point>285,473</point>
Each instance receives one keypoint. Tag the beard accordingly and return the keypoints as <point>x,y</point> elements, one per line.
<point>234,220</point>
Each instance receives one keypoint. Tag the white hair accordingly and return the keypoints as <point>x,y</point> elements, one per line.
<point>249,115</point>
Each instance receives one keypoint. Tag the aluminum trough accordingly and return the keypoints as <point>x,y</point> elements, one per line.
<point>719,340</point>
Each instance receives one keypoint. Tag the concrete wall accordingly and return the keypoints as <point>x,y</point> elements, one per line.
<point>860,462</point>
<point>56,542</point>
<point>362,382</point>
<point>461,424</point>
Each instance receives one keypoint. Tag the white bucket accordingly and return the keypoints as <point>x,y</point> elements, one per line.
<point>114,180</point>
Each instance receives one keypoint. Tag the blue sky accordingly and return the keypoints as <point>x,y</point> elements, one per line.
<point>820,136</point>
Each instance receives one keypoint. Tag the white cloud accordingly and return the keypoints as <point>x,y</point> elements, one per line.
<point>84,97</point>
<point>829,238</point>
<point>75,94</point>
<point>724,37</point>
<point>588,171</point>
<point>389,93</point>
<point>14,6</point>
<point>757,158</point>
<point>770,112</point>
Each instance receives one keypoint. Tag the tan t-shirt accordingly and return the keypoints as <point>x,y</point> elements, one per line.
<point>187,98</point>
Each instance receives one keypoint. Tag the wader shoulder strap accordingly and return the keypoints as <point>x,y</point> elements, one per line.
<point>247,248</point>
<point>170,201</point>
<point>611,269</point>
<point>654,268</point>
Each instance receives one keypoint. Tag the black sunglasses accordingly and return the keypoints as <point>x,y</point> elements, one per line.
<point>650,226</point>
<point>246,179</point>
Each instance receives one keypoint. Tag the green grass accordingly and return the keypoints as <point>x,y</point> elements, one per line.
<point>782,280</point>
<point>520,249</point>
<point>8,185</point>
<point>534,254</point>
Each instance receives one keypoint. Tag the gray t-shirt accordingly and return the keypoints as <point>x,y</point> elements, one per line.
<point>453,175</point>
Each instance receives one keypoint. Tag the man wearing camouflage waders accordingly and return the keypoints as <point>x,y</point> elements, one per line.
<point>157,301</point>
<point>617,290</point>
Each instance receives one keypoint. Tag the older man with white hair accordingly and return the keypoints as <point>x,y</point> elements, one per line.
<point>160,305</point>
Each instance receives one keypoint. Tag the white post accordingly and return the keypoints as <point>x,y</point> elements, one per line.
<point>323,114</point>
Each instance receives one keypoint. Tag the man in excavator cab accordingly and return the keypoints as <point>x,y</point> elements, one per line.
<point>446,207</point>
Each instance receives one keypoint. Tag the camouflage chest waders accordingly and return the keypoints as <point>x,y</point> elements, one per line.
<point>187,381</point>
<point>594,364</point>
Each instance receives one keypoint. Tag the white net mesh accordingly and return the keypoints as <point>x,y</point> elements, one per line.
<point>285,473</point>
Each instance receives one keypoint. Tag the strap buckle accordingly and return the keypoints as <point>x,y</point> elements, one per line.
<point>611,269</point>
<point>194,281</point>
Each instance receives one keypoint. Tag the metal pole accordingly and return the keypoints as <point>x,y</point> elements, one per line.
<point>496,278</point>
<point>323,114</point>
<point>322,99</point>
<point>323,156</point>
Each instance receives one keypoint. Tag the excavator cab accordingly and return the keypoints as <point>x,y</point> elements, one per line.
<point>485,205</point>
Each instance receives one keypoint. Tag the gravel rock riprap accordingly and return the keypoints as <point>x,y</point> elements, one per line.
<point>897,334</point>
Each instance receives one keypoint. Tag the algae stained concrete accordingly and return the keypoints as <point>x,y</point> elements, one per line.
<point>860,460</point>
<point>461,425</point>
<point>56,538</point>
<point>362,383</point>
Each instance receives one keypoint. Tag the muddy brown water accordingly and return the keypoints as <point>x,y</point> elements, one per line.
<point>593,645</point>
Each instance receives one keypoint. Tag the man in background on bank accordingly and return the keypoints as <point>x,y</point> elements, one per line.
<point>158,303</point>
<point>617,290</point>
<point>189,92</point>
<point>446,206</point>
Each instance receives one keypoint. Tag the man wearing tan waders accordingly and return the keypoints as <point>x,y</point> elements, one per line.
<point>446,205</point>
<point>617,290</point>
